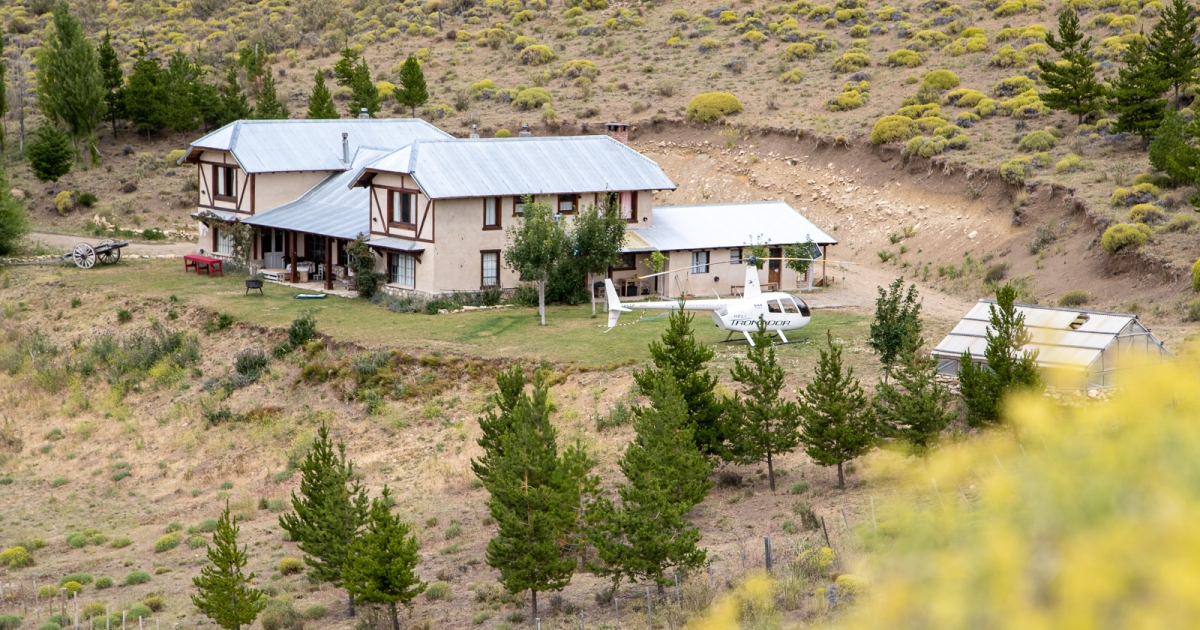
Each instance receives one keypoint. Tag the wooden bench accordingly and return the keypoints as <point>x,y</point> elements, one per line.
<point>206,263</point>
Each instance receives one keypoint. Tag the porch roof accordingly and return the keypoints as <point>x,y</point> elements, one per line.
<point>720,225</point>
<point>397,244</point>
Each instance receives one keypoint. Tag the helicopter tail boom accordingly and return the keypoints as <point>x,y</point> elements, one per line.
<point>614,303</point>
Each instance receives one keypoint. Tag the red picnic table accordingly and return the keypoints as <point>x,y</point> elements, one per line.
<point>203,262</point>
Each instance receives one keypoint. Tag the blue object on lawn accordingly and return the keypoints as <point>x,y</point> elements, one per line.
<point>309,296</point>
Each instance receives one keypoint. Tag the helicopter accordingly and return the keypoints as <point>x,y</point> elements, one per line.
<point>780,311</point>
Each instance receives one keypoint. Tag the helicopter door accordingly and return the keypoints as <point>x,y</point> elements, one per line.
<point>797,304</point>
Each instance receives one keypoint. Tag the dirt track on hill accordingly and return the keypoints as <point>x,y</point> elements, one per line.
<point>139,248</point>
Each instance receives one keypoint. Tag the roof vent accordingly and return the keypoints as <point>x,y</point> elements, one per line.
<point>617,131</point>
<point>345,148</point>
<point>474,131</point>
<point>524,133</point>
<point>1079,321</point>
<point>362,114</point>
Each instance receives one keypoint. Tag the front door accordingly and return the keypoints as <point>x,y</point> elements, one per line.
<point>775,266</point>
<point>273,248</point>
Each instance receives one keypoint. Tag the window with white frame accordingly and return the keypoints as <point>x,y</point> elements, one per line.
<point>490,272</point>
<point>699,262</point>
<point>224,182</point>
<point>402,270</point>
<point>735,256</point>
<point>403,207</point>
<point>224,241</point>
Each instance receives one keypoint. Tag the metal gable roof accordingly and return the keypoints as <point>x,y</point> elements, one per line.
<point>718,225</point>
<point>331,208</point>
<point>449,169</point>
<point>270,146</point>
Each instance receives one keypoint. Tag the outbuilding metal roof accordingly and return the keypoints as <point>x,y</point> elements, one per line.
<point>1063,337</point>
<point>449,169</point>
<point>331,208</point>
<point>718,225</point>
<point>273,146</point>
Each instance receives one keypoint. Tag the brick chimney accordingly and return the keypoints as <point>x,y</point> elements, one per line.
<point>617,131</point>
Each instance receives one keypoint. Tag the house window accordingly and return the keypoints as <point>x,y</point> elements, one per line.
<point>699,262</point>
<point>627,262</point>
<point>518,206</point>
<point>402,207</point>
<point>566,204</point>
<point>314,248</point>
<point>628,201</point>
<point>223,240</point>
<point>735,256</point>
<point>491,213</point>
<point>490,271</point>
<point>223,182</point>
<point>402,270</point>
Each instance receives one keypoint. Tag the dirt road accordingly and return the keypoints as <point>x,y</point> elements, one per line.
<point>65,242</point>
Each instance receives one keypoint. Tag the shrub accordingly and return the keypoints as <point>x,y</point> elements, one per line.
<point>104,582</point>
<point>892,129</point>
<point>536,55</point>
<point>168,542</point>
<point>1015,171</point>
<point>1182,222</point>
<point>853,96</point>
<point>1139,193</point>
<point>1013,86</point>
<point>137,577</point>
<point>904,58</point>
<point>791,77</point>
<point>925,147</point>
<point>1124,235</point>
<point>1072,163</point>
<point>920,110</point>
<point>72,588</point>
<point>1072,299</point>
<point>1147,213</point>
<point>250,364</point>
<point>175,526</point>
<point>9,622</point>
<point>120,542</point>
<point>46,591</point>
<point>82,578</point>
<point>964,97</point>
<point>77,541</point>
<point>315,612</point>
<point>580,68</point>
<point>985,108</point>
<point>851,61</point>
<point>531,98</point>
<point>140,611</point>
<point>437,591</point>
<point>302,330</point>
<point>153,602</point>
<point>218,322</point>
<point>799,51</point>
<point>289,566</point>
<point>124,315</point>
<point>196,542</point>
<point>49,625</point>
<point>1196,275</point>
<point>712,106</point>
<point>1039,140</point>
<point>941,80</point>
<point>16,558</point>
<point>87,199</point>
<point>996,273</point>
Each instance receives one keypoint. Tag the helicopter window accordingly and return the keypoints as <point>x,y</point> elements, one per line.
<point>773,306</point>
<point>789,306</point>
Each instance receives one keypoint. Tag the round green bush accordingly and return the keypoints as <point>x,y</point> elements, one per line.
<point>941,80</point>
<point>49,625</point>
<point>892,129</point>
<point>920,110</point>
<point>851,61</point>
<point>82,578</point>
<point>288,566</point>
<point>925,147</point>
<point>73,587</point>
<point>153,602</point>
<point>964,97</point>
<point>985,108</point>
<point>1182,222</point>
<point>315,612</point>
<point>16,558</point>
<point>580,68</point>
<point>536,55</point>
<point>797,52</point>
<point>140,611</point>
<point>712,106</point>
<point>1073,299</point>
<point>104,582</point>
<point>1147,213</point>
<point>1123,236</point>
<point>46,591</point>
<point>168,542</point>
<point>8,622</point>
<point>137,577</point>
<point>904,58</point>
<point>120,542</point>
<point>1040,140</point>
<point>531,98</point>
<point>77,541</point>
<point>503,133</point>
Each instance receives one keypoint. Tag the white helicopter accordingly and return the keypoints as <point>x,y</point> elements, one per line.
<point>781,311</point>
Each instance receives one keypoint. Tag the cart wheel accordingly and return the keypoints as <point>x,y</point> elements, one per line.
<point>110,254</point>
<point>84,256</point>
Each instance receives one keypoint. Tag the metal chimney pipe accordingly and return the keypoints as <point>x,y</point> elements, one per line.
<point>363,115</point>
<point>474,131</point>
<point>524,133</point>
<point>345,147</point>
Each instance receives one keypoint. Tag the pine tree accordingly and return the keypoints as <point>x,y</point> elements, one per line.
<point>232,104</point>
<point>182,82</point>
<point>254,61</point>
<point>381,566</point>
<point>499,417</point>
<point>50,153</point>
<point>330,511</point>
<point>1137,93</point>
<point>685,359</point>
<point>1173,47</point>
<point>69,85</point>
<point>916,408</point>
<point>224,593</point>
<point>352,72</point>
<point>836,421</point>
<point>761,425</point>
<point>3,95</point>
<point>412,92</point>
<point>524,479</point>
<point>1173,149</point>
<point>1009,368</point>
<point>648,534</point>
<point>897,320</point>
<point>268,106</point>
<point>144,98</point>
<point>112,80</point>
<point>581,493</point>
<point>320,101</point>
<point>1072,81</point>
<point>14,217</point>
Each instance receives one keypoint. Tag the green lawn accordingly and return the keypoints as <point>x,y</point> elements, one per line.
<point>571,334</point>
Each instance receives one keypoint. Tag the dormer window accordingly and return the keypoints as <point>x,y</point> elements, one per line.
<point>402,208</point>
<point>224,182</point>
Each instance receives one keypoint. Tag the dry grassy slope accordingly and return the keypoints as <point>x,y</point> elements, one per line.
<point>421,448</point>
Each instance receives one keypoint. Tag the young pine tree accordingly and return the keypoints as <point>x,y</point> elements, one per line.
<point>523,476</point>
<point>679,355</point>
<point>320,101</point>
<point>1137,93</point>
<point>3,93</point>
<point>329,512</point>
<point>268,106</point>
<point>1072,82</point>
<point>915,408</point>
<point>69,86</point>
<point>1007,366</point>
<point>836,421</point>
<point>183,81</point>
<point>223,592</point>
<point>648,534</point>
<point>14,217</point>
<point>581,492</point>
<point>352,71</point>
<point>232,104</point>
<point>112,80</point>
<point>381,566</point>
<point>761,425</point>
<point>50,154</point>
<point>412,92</point>
<point>897,320</point>
<point>1173,149</point>
<point>1172,46</point>
<point>144,99</point>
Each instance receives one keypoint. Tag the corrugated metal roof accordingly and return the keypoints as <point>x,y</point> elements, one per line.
<point>224,215</point>
<point>1057,343</point>
<point>331,208</point>
<point>710,226</point>
<point>397,244</point>
<point>449,169</point>
<point>272,146</point>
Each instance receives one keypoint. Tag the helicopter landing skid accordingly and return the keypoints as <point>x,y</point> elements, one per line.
<point>784,342</point>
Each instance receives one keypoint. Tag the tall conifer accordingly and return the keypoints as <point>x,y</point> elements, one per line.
<point>329,512</point>
<point>381,566</point>
<point>224,593</point>
<point>268,106</point>
<point>352,72</point>
<point>183,80</point>
<point>232,104</point>
<point>69,85</point>
<point>1072,81</point>
<point>916,407</point>
<point>837,424</point>
<point>1137,93</point>
<point>1173,47</point>
<point>144,98</point>
<point>1009,367</point>
<point>412,92</point>
<point>113,80</point>
<point>320,101</point>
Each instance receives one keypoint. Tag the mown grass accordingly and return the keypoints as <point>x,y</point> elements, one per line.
<point>571,336</point>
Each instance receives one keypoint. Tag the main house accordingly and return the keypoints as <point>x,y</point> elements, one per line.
<point>434,208</point>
